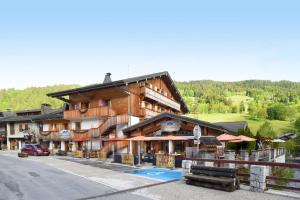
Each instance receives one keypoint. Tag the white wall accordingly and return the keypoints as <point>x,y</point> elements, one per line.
<point>134,120</point>
<point>95,144</point>
<point>87,124</point>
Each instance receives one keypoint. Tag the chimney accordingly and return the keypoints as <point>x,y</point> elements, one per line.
<point>107,78</point>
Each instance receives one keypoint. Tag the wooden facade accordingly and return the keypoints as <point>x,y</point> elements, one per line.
<point>102,111</point>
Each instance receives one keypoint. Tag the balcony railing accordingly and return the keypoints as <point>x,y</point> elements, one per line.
<point>49,136</point>
<point>89,113</point>
<point>159,98</point>
<point>147,113</point>
<point>80,136</point>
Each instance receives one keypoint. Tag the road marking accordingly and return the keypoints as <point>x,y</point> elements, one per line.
<point>127,190</point>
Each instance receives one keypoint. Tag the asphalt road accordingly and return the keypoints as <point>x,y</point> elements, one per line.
<point>29,180</point>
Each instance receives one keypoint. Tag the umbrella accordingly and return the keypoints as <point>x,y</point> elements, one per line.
<point>139,138</point>
<point>226,137</point>
<point>242,138</point>
<point>278,141</point>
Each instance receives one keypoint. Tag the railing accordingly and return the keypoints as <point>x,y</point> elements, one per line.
<point>160,98</point>
<point>147,113</point>
<point>80,136</point>
<point>113,121</point>
<point>89,113</point>
<point>51,136</point>
<point>221,163</point>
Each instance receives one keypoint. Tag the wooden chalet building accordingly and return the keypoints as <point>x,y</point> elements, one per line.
<point>114,115</point>
<point>98,113</point>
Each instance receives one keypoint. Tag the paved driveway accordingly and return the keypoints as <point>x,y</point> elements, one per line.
<point>30,180</point>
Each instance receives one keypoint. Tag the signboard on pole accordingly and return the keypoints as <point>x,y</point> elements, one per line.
<point>197,134</point>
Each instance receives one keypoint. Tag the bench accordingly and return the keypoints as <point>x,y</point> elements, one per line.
<point>214,177</point>
<point>22,155</point>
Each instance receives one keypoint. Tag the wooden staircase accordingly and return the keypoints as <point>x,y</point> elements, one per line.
<point>111,122</point>
<point>108,125</point>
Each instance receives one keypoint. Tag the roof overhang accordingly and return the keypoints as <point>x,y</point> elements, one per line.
<point>174,117</point>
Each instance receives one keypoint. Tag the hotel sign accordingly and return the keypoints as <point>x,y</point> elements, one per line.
<point>64,134</point>
<point>170,126</point>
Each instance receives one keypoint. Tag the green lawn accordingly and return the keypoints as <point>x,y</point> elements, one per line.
<point>278,126</point>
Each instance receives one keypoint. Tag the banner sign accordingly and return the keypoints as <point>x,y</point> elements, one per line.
<point>170,126</point>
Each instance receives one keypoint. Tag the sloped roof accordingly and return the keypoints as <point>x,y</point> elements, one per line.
<point>164,75</point>
<point>176,117</point>
<point>233,127</point>
<point>15,117</point>
<point>54,115</point>
<point>288,136</point>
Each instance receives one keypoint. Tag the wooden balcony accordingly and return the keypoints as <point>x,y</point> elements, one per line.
<point>47,136</point>
<point>147,113</point>
<point>159,98</point>
<point>80,136</point>
<point>89,113</point>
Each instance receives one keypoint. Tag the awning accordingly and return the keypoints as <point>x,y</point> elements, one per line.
<point>118,139</point>
<point>80,139</point>
<point>226,137</point>
<point>278,141</point>
<point>168,138</point>
<point>139,138</point>
<point>161,138</point>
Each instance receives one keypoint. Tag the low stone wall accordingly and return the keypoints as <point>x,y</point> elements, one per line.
<point>258,178</point>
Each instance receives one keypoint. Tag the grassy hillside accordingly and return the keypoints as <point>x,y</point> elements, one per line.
<point>254,101</point>
<point>30,98</point>
<point>278,126</point>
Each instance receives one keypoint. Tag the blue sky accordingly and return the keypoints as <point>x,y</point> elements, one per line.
<point>53,42</point>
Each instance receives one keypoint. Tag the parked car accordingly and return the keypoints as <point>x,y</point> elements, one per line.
<point>35,150</point>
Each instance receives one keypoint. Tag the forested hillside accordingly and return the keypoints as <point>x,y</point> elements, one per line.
<point>30,98</point>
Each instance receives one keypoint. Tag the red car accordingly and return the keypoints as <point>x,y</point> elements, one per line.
<point>35,150</point>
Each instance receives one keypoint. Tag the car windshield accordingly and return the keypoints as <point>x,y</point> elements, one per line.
<point>37,146</point>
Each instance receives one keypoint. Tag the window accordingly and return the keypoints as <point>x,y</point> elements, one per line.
<point>102,103</point>
<point>12,129</point>
<point>53,127</point>
<point>26,127</point>
<point>66,127</point>
<point>77,126</point>
<point>20,127</point>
